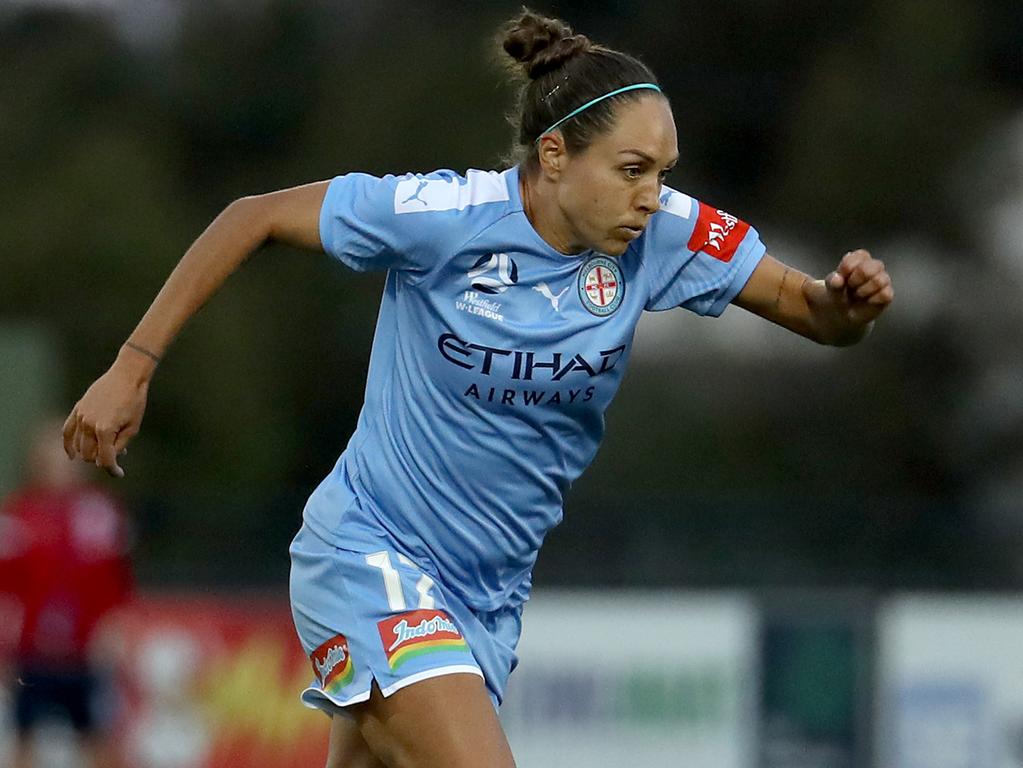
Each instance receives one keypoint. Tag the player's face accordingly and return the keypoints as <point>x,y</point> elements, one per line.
<point>609,191</point>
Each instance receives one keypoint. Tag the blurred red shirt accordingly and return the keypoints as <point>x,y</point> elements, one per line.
<point>63,567</point>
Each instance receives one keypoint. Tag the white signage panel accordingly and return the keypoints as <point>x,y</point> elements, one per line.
<point>626,678</point>
<point>950,683</point>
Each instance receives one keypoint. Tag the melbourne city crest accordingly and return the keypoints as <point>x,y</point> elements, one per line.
<point>601,286</point>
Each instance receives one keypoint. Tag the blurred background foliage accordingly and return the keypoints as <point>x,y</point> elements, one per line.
<point>736,455</point>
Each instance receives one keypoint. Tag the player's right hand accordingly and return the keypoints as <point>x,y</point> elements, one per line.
<point>107,417</point>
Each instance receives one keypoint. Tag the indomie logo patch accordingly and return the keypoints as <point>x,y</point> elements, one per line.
<point>332,664</point>
<point>717,233</point>
<point>601,286</point>
<point>412,634</point>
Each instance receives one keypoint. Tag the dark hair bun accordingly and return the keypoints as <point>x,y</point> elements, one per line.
<point>541,44</point>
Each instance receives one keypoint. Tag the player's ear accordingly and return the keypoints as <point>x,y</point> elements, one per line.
<point>552,152</point>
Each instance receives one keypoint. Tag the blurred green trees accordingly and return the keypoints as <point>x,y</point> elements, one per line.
<point>836,125</point>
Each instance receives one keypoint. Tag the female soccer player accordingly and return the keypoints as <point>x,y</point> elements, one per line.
<point>506,324</point>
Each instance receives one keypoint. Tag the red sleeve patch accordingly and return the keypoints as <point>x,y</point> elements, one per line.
<point>717,233</point>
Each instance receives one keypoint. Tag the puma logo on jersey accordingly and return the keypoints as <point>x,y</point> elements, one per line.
<point>415,195</point>
<point>445,191</point>
<point>546,291</point>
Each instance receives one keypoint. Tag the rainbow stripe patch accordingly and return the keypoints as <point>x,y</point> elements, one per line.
<point>332,664</point>
<point>415,633</point>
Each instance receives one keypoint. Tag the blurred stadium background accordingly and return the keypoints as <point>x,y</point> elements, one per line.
<point>824,548</point>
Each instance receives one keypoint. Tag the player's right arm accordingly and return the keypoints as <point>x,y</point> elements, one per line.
<point>110,412</point>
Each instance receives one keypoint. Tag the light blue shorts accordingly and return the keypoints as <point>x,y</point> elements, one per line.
<point>375,615</point>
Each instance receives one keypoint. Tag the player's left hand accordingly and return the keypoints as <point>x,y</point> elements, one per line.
<point>860,287</point>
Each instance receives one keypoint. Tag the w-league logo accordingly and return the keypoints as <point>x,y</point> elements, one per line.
<point>494,273</point>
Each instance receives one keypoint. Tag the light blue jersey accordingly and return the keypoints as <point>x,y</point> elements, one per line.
<point>494,360</point>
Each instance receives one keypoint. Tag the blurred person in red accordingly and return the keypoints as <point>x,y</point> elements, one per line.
<point>64,572</point>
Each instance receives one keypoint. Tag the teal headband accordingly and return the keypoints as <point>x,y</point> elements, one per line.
<point>588,104</point>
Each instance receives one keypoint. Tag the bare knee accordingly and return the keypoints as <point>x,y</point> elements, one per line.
<point>348,748</point>
<point>443,722</point>
<point>362,760</point>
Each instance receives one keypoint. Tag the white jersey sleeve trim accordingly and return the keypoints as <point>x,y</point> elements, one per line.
<point>454,669</point>
<point>417,194</point>
<point>676,203</point>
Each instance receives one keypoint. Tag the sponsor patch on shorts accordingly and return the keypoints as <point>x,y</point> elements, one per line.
<point>332,664</point>
<point>415,633</point>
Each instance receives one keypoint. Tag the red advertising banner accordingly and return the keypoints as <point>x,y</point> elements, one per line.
<point>208,682</point>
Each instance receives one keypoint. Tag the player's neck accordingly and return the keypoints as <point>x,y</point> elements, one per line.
<point>540,204</point>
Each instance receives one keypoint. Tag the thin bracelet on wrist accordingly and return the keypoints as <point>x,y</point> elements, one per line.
<point>143,351</point>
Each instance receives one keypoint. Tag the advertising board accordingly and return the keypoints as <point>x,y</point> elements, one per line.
<point>619,678</point>
<point>950,683</point>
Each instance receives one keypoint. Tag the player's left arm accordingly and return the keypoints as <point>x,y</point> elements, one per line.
<point>838,310</point>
